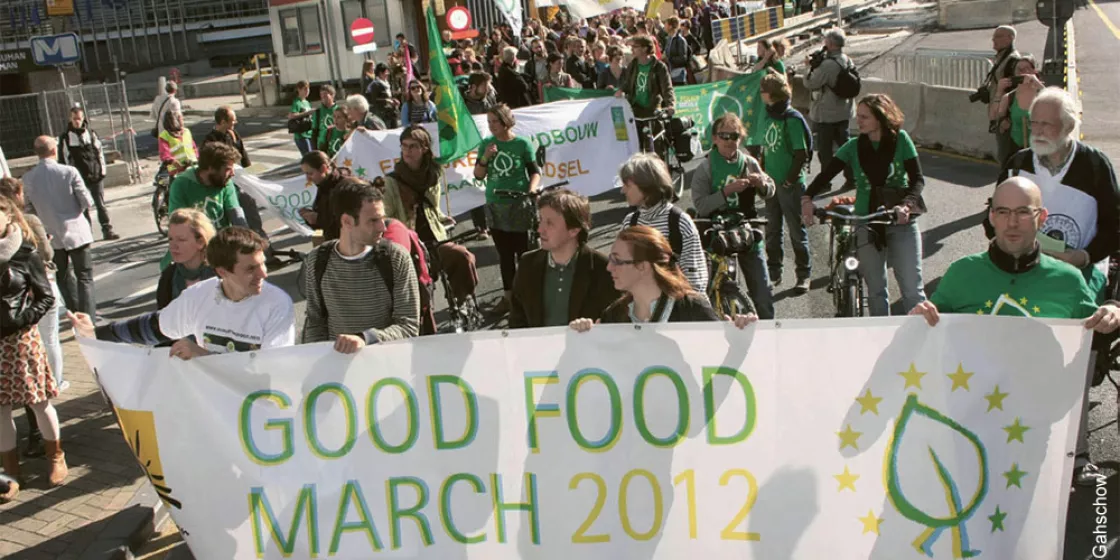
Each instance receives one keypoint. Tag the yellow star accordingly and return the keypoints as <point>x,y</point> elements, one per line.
<point>995,399</point>
<point>1022,301</point>
<point>988,304</point>
<point>703,92</point>
<point>347,162</point>
<point>869,402</point>
<point>913,377</point>
<point>308,185</point>
<point>846,480</point>
<point>1036,310</point>
<point>750,112</point>
<point>1015,431</point>
<point>750,99</point>
<point>979,311</point>
<point>849,437</point>
<point>742,88</point>
<point>960,378</point>
<point>871,523</point>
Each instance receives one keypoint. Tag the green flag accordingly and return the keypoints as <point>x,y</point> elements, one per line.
<point>458,134</point>
<point>704,103</point>
<point>556,93</point>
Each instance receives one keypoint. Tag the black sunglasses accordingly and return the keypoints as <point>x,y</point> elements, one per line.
<point>728,135</point>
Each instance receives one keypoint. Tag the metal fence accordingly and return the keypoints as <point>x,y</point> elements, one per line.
<point>486,15</point>
<point>960,69</point>
<point>26,117</point>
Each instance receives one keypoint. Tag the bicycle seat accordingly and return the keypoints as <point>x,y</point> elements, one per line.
<point>845,209</point>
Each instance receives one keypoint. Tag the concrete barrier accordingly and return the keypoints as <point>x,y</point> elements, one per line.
<point>937,117</point>
<point>974,14</point>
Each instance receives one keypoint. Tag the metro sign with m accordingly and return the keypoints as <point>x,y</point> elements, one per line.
<point>52,50</point>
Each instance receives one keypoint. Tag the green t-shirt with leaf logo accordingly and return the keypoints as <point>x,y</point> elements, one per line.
<point>507,170</point>
<point>335,139</point>
<point>724,172</point>
<point>780,139</point>
<point>324,118</point>
<point>299,106</point>
<point>641,88</point>
<point>896,178</point>
<point>1052,289</point>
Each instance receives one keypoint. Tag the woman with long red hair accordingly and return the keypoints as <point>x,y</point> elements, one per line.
<point>654,288</point>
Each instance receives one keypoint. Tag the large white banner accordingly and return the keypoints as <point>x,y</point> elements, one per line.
<point>592,8</point>
<point>841,439</point>
<point>585,143</point>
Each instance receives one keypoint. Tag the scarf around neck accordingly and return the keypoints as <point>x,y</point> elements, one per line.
<point>10,243</point>
<point>779,110</point>
<point>416,182</point>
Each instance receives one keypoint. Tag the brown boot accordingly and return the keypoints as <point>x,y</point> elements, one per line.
<point>10,461</point>
<point>57,460</point>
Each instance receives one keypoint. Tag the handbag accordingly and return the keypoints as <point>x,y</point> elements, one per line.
<point>300,125</point>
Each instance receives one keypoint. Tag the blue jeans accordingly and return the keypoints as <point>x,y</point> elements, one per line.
<point>48,331</point>
<point>305,146</point>
<point>757,279</point>
<point>903,249</point>
<point>786,204</point>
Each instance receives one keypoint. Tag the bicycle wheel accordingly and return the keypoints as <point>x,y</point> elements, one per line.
<point>676,172</point>
<point>732,302</point>
<point>849,297</point>
<point>159,210</point>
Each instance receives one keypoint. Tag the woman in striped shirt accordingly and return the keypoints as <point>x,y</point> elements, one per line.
<point>647,187</point>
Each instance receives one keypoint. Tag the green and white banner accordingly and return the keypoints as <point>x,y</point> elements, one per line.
<point>851,439</point>
<point>703,103</point>
<point>585,142</point>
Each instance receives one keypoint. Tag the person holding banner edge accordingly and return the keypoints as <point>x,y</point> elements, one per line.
<point>654,288</point>
<point>1014,266</point>
<point>508,165</point>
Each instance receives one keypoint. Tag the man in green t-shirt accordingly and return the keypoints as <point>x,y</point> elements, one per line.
<point>300,113</point>
<point>785,153</point>
<point>1015,278</point>
<point>209,187</point>
<point>647,84</point>
<point>322,120</point>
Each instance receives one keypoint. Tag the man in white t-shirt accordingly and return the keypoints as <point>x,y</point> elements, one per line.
<point>236,312</point>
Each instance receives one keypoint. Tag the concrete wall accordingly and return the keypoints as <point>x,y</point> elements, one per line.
<point>980,14</point>
<point>936,117</point>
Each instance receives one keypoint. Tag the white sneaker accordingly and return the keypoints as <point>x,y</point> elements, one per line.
<point>63,386</point>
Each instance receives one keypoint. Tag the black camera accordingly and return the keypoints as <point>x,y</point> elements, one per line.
<point>817,57</point>
<point>1016,81</point>
<point>981,94</point>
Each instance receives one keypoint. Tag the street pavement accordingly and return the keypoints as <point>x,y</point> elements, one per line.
<point>126,273</point>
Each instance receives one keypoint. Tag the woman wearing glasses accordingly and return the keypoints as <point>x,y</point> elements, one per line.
<point>654,289</point>
<point>418,109</point>
<point>885,167</point>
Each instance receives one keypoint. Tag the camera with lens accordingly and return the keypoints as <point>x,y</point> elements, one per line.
<point>981,94</point>
<point>817,57</point>
<point>1016,81</point>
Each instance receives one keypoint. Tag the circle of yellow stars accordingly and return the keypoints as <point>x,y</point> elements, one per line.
<point>869,403</point>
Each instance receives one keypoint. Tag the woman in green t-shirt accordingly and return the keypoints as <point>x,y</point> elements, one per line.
<point>1014,110</point>
<point>508,164</point>
<point>884,164</point>
<point>770,55</point>
<point>299,119</point>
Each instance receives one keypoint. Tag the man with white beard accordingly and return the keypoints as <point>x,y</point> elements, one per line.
<point>1078,186</point>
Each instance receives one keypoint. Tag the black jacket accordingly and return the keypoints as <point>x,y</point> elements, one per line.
<point>1090,172</point>
<point>661,94</point>
<point>25,291</point>
<point>692,308</point>
<point>592,288</point>
<point>82,149</point>
<point>325,219</point>
<point>231,139</point>
<point>513,89</point>
<point>581,71</point>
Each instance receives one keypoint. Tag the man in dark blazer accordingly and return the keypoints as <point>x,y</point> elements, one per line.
<point>565,279</point>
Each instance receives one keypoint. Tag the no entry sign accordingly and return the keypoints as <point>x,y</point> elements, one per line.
<point>459,23</point>
<point>362,31</point>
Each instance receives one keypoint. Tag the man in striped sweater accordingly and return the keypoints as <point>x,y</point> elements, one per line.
<point>367,291</point>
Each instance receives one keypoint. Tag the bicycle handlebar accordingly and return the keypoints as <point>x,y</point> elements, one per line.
<point>517,194</point>
<point>879,217</point>
<point>730,219</point>
<point>658,115</point>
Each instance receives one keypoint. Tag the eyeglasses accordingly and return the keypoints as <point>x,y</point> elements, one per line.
<point>620,262</point>
<point>728,135</point>
<point>1021,213</point>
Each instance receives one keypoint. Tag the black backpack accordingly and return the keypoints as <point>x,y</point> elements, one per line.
<point>676,241</point>
<point>848,82</point>
<point>380,258</point>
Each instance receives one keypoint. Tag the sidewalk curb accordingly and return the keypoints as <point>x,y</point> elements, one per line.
<point>130,528</point>
<point>250,112</point>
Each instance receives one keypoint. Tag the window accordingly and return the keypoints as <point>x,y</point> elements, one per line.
<point>352,10</point>
<point>301,32</point>
<point>379,15</point>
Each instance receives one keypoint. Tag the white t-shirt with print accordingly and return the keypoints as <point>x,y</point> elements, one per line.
<point>266,320</point>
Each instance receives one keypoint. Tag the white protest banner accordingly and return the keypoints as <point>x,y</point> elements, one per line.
<point>512,10</point>
<point>585,143</point>
<point>591,8</point>
<point>843,439</point>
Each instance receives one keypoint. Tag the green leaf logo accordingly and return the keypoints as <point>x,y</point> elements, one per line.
<point>926,420</point>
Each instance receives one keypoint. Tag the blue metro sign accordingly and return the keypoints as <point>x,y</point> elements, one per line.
<point>52,50</point>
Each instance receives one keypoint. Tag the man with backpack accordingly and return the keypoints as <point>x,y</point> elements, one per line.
<point>677,52</point>
<point>361,289</point>
<point>834,83</point>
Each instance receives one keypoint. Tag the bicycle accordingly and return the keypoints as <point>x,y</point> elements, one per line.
<point>463,316</point>
<point>660,139</point>
<point>726,235</point>
<point>535,221</point>
<point>160,200</point>
<point>845,281</point>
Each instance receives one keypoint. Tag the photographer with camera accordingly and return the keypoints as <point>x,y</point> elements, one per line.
<point>1012,113</point>
<point>1003,65</point>
<point>830,113</point>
